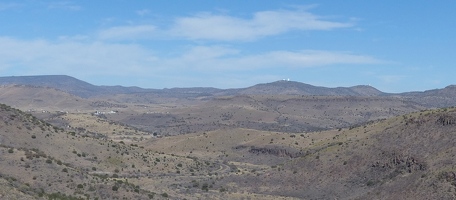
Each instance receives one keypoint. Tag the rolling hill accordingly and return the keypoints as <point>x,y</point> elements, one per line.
<point>404,157</point>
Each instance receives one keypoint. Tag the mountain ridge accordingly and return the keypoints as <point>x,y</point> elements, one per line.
<point>84,89</point>
<point>444,97</point>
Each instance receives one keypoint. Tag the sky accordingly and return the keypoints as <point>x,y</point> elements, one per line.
<point>394,46</point>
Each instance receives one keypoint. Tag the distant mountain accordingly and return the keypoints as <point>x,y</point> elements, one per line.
<point>67,84</point>
<point>83,89</point>
<point>297,88</point>
<point>32,97</point>
<point>60,82</point>
<point>445,97</point>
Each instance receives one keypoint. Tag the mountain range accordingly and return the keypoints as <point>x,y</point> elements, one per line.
<point>63,138</point>
<point>444,97</point>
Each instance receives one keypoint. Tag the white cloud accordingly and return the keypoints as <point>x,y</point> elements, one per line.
<point>128,32</point>
<point>266,23</point>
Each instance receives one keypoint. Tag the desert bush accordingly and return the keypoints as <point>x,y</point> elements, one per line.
<point>205,187</point>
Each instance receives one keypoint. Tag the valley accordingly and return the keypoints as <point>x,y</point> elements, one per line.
<point>281,140</point>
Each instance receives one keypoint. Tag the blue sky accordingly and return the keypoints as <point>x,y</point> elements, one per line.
<point>395,46</point>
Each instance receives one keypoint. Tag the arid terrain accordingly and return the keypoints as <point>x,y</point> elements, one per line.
<point>62,138</point>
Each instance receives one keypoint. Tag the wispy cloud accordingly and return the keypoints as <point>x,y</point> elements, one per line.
<point>64,5</point>
<point>68,55</point>
<point>221,27</point>
<point>7,6</point>
<point>208,26</point>
<point>128,32</point>
<point>143,12</point>
<point>83,58</point>
<point>391,78</point>
<point>223,58</point>
<point>73,58</point>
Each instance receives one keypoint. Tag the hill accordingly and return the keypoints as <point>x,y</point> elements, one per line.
<point>67,84</point>
<point>405,157</point>
<point>282,113</point>
<point>35,98</point>
<point>60,82</point>
<point>41,161</point>
<point>439,98</point>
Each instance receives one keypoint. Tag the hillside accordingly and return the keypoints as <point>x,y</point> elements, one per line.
<point>406,157</point>
<point>440,98</point>
<point>36,98</point>
<point>282,113</point>
<point>41,161</point>
<point>190,110</point>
